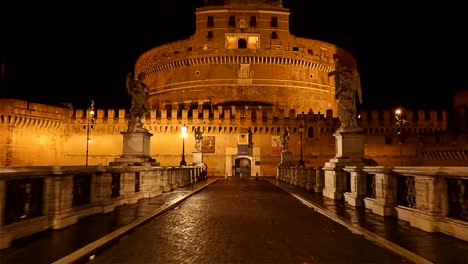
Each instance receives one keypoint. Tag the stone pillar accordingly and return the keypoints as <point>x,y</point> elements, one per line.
<point>385,191</point>
<point>283,167</point>
<point>197,157</point>
<point>136,150</point>
<point>358,186</point>
<point>349,152</point>
<point>335,179</point>
<point>319,179</point>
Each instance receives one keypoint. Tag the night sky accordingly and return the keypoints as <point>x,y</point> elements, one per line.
<point>408,55</point>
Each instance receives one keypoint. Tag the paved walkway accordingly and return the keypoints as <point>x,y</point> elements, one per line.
<point>397,235</point>
<point>78,242</point>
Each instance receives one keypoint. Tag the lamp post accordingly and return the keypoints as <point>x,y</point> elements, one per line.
<point>400,122</point>
<point>89,125</point>
<point>184,135</point>
<point>301,131</point>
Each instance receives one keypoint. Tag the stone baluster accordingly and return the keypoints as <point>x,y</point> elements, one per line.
<point>358,186</point>
<point>385,191</point>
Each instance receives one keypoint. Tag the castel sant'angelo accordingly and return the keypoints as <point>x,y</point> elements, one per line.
<point>242,78</point>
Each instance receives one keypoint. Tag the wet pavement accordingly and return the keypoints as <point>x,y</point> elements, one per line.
<point>244,221</point>
<point>51,245</point>
<point>238,221</point>
<point>389,232</point>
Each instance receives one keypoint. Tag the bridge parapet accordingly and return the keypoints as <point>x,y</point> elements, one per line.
<point>432,199</point>
<point>34,199</point>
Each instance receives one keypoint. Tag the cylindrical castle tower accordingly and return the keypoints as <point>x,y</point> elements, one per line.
<point>242,54</point>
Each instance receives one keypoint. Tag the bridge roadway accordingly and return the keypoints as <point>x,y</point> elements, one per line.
<point>238,221</point>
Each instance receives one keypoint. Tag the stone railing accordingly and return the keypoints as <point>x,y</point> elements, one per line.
<point>310,178</point>
<point>34,199</point>
<point>433,199</point>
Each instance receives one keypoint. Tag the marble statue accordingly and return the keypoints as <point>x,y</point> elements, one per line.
<point>198,138</point>
<point>284,137</point>
<point>347,92</point>
<point>140,106</point>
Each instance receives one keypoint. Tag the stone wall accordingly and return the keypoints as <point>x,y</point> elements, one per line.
<point>35,134</point>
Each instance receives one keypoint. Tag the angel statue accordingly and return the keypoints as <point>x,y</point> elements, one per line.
<point>198,138</point>
<point>140,106</point>
<point>347,91</point>
<point>284,137</point>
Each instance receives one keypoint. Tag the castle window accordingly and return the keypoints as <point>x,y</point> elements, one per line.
<point>274,21</point>
<point>253,21</point>
<point>310,52</point>
<point>295,49</point>
<point>242,43</point>
<point>274,35</point>
<point>388,140</point>
<point>232,21</point>
<point>210,21</point>
<point>210,34</point>
<point>310,132</point>
<point>242,149</point>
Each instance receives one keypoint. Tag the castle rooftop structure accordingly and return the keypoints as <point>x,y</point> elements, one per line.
<point>242,54</point>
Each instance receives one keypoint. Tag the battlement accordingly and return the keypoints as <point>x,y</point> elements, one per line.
<point>232,115</point>
<point>26,114</point>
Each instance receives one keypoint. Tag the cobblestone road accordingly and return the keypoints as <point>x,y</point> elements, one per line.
<point>249,221</point>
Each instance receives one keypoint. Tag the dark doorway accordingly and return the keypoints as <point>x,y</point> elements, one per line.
<point>242,167</point>
<point>242,44</point>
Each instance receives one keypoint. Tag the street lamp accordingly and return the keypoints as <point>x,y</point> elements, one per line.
<point>184,135</point>
<point>400,122</point>
<point>301,131</point>
<point>89,125</point>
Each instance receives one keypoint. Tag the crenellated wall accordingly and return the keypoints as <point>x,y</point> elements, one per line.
<point>37,134</point>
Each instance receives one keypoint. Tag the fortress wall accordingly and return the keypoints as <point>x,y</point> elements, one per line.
<point>58,137</point>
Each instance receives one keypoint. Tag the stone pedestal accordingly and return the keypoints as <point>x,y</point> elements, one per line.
<point>136,150</point>
<point>285,159</point>
<point>197,157</point>
<point>282,170</point>
<point>349,152</point>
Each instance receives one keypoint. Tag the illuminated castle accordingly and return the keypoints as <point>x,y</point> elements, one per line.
<point>242,73</point>
<point>242,54</point>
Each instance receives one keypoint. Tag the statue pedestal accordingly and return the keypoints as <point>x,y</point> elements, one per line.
<point>282,170</point>
<point>349,152</point>
<point>136,150</point>
<point>197,157</point>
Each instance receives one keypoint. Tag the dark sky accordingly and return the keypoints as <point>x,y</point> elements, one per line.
<point>408,55</point>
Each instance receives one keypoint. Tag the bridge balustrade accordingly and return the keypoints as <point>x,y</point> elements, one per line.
<point>34,199</point>
<point>433,199</point>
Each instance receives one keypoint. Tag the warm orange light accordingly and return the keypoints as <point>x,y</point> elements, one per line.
<point>184,131</point>
<point>398,111</point>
